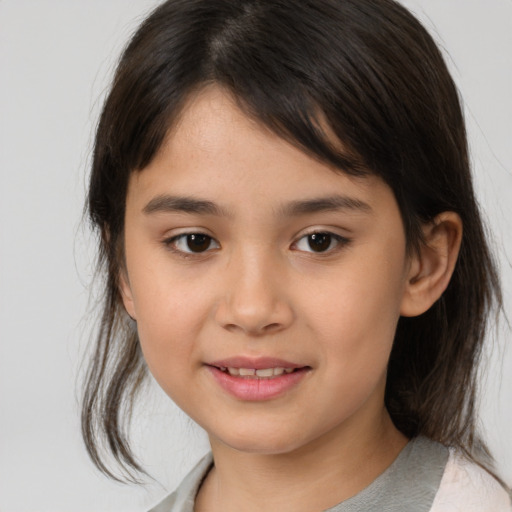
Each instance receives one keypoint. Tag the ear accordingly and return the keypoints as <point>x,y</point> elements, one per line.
<point>431,267</point>
<point>126,293</point>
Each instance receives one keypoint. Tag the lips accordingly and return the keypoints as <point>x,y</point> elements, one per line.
<point>256,363</point>
<point>261,367</point>
<point>256,373</point>
<point>256,379</point>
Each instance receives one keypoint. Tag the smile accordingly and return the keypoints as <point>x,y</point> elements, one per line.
<point>265,373</point>
<point>259,379</point>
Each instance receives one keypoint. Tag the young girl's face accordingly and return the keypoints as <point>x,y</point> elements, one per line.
<point>266,286</point>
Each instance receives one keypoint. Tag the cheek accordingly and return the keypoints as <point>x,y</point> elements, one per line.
<point>170,312</point>
<point>356,311</point>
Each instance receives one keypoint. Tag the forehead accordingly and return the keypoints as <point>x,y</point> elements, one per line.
<point>216,151</point>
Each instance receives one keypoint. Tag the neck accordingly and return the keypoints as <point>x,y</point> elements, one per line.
<point>317,476</point>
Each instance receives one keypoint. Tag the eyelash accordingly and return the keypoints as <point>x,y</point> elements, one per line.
<point>171,244</point>
<point>338,240</point>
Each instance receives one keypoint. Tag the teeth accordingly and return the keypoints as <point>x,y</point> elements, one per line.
<point>250,372</point>
<point>267,372</point>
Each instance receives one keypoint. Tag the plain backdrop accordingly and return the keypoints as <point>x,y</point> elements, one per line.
<point>56,60</point>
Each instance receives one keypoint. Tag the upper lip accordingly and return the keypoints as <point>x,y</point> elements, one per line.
<point>258,363</point>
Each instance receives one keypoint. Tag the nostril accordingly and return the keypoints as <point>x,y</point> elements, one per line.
<point>253,315</point>
<point>272,327</point>
<point>231,327</point>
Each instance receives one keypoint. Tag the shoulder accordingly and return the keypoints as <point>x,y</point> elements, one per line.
<point>165,505</point>
<point>466,487</point>
<point>182,499</point>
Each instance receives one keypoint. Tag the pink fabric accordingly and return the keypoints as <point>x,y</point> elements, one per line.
<point>466,487</point>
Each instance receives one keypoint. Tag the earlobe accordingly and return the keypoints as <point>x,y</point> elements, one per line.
<point>126,294</point>
<point>431,267</point>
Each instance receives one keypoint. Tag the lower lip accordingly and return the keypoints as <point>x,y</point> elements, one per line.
<point>257,389</point>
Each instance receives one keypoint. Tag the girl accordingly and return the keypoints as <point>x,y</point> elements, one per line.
<point>294,251</point>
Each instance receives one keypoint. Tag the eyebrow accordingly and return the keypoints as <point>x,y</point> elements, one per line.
<point>322,204</point>
<point>184,204</point>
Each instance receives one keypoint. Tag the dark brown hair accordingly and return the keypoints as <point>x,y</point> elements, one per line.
<point>370,71</point>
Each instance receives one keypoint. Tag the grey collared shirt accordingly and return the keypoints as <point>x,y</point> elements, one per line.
<point>410,484</point>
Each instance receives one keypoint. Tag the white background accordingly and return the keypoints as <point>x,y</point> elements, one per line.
<point>56,58</point>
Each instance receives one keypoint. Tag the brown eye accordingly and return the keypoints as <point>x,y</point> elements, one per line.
<point>198,243</point>
<point>192,243</point>
<point>320,242</point>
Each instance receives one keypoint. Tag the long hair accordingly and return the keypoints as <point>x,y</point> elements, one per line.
<point>369,71</point>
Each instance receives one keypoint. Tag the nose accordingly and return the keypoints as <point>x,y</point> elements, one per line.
<point>253,297</point>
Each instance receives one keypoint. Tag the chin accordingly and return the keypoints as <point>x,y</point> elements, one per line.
<point>265,440</point>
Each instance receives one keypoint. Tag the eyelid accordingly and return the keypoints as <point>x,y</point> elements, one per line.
<point>341,241</point>
<point>170,243</point>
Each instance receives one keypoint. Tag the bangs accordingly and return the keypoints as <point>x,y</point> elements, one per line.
<point>343,101</point>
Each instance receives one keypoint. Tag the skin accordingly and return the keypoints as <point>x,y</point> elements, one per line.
<point>260,290</point>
